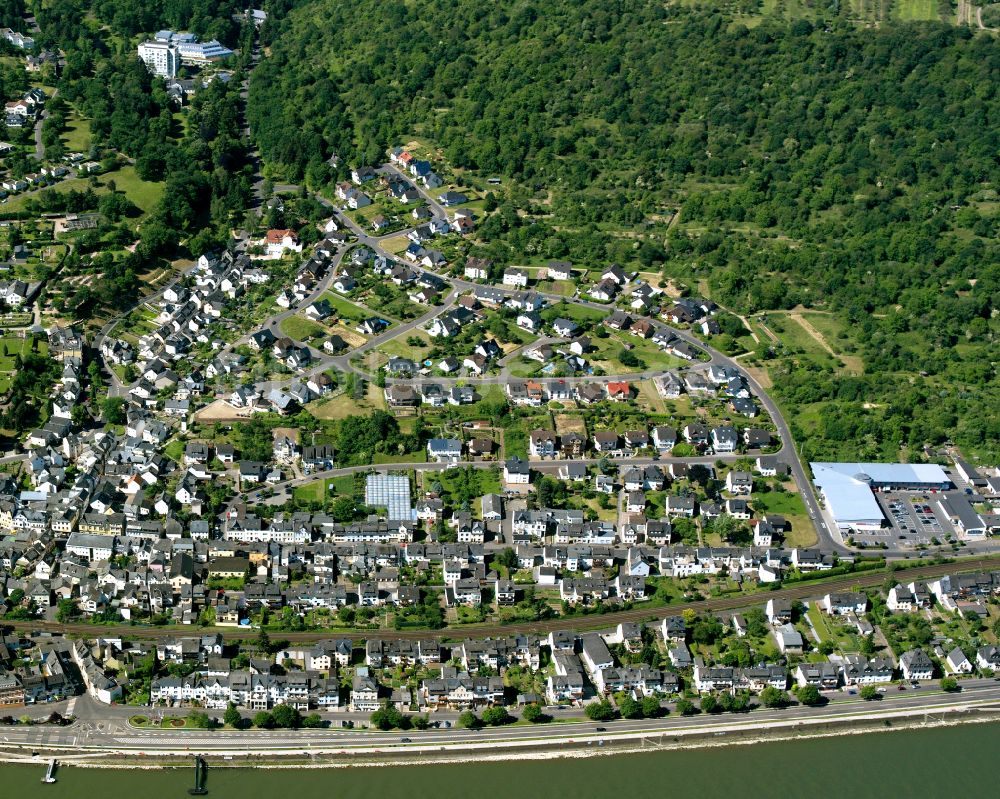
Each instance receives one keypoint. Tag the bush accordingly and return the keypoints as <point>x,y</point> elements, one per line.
<point>869,692</point>
<point>389,717</point>
<point>468,720</point>
<point>685,707</point>
<point>629,708</point>
<point>288,717</point>
<point>232,716</point>
<point>263,720</point>
<point>773,697</point>
<point>533,713</point>
<point>809,695</point>
<point>949,684</point>
<point>651,707</point>
<point>496,716</point>
<point>600,711</point>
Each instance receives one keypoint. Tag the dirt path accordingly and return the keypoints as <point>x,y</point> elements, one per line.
<point>851,362</point>
<point>770,333</point>
<point>968,14</point>
<point>746,324</point>
<point>962,13</point>
<point>814,334</point>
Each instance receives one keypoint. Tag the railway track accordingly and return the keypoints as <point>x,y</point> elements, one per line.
<point>803,590</point>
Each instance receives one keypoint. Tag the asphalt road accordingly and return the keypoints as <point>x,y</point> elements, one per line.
<point>110,732</point>
<point>40,122</point>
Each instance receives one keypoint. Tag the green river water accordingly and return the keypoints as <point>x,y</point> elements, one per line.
<point>942,762</point>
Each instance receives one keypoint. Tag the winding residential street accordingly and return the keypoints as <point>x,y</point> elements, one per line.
<point>39,123</point>
<point>323,362</point>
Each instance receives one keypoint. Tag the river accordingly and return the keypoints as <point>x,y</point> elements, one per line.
<point>941,762</point>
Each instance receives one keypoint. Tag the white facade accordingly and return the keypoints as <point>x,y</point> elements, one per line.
<point>160,57</point>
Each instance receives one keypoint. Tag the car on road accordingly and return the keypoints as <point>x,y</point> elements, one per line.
<point>405,741</point>
<point>600,729</point>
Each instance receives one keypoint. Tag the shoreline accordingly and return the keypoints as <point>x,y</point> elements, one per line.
<point>634,745</point>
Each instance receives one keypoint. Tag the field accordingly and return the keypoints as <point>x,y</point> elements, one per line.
<point>651,357</point>
<point>396,244</point>
<point>795,337</point>
<point>342,405</point>
<point>77,135</point>
<point>649,397</point>
<point>399,348</point>
<point>581,314</point>
<point>570,423</point>
<point>145,195</point>
<point>300,328</point>
<point>346,309</point>
<point>221,411</point>
<point>310,492</point>
<point>915,10</point>
<point>789,505</point>
<point>835,333</point>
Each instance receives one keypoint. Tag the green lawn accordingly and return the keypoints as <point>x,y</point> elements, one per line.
<point>174,450</point>
<point>77,135</point>
<point>300,328</point>
<point>398,347</point>
<point>915,10</point>
<point>652,357</point>
<point>145,195</point>
<point>816,616</point>
<point>11,346</point>
<point>345,308</point>
<point>310,492</point>
<point>573,311</point>
<point>790,506</point>
<point>419,456</point>
<point>521,367</point>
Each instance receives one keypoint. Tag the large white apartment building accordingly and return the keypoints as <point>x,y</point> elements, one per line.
<point>161,58</point>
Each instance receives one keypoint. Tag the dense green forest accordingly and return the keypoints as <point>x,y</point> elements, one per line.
<point>819,165</point>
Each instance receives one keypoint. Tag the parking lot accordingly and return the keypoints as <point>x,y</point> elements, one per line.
<point>913,520</point>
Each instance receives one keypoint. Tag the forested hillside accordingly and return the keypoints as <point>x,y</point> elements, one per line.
<point>843,168</point>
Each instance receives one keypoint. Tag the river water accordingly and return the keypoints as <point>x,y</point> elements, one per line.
<point>942,762</point>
